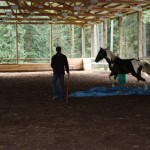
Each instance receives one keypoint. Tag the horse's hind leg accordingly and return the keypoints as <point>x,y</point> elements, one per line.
<point>145,85</point>
<point>138,76</point>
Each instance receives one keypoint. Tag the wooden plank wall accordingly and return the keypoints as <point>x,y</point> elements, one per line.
<point>74,64</point>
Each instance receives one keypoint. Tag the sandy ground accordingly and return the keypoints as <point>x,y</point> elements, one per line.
<point>30,120</point>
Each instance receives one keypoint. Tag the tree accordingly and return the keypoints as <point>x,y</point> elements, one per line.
<point>7,43</point>
<point>146,24</point>
<point>146,16</point>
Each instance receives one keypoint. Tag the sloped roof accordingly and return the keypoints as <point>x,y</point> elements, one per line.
<point>67,11</point>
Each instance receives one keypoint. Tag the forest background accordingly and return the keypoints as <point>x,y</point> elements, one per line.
<point>36,43</point>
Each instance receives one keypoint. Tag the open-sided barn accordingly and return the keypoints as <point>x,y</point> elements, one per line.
<point>29,119</point>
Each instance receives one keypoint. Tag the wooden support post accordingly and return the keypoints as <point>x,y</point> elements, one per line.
<point>105,33</point>
<point>139,15</point>
<point>51,41</point>
<point>101,35</point>
<point>94,51</point>
<point>93,41</point>
<point>120,36</point>
<point>17,56</point>
<point>144,41</point>
<point>111,35</point>
<point>73,44</point>
<point>83,42</point>
<point>98,36</point>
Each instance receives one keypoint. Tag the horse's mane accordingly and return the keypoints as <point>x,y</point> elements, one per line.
<point>110,55</point>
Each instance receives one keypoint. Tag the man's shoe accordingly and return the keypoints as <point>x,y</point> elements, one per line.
<point>55,98</point>
<point>61,99</point>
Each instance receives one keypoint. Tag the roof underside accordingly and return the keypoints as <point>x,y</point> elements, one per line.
<point>67,11</point>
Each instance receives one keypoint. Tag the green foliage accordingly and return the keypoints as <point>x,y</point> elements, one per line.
<point>7,42</point>
<point>146,20</point>
<point>33,43</point>
<point>147,38</point>
<point>62,37</point>
<point>108,33</point>
<point>69,37</point>
<point>77,42</point>
<point>116,37</point>
<point>130,36</point>
<point>146,16</point>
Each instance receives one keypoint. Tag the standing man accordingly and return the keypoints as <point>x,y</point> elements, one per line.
<point>59,64</point>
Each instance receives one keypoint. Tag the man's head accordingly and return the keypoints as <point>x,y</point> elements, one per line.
<point>58,49</point>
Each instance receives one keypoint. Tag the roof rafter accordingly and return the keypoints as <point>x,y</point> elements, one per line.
<point>56,11</point>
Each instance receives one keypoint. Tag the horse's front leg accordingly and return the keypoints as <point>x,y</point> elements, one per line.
<point>113,81</point>
<point>115,77</point>
<point>110,76</point>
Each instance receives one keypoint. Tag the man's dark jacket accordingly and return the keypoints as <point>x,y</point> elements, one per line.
<point>59,63</point>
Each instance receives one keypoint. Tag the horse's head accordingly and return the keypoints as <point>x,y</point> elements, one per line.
<point>101,54</point>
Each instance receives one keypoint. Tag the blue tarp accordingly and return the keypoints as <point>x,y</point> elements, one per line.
<point>114,91</point>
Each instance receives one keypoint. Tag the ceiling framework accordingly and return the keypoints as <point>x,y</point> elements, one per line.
<point>67,11</point>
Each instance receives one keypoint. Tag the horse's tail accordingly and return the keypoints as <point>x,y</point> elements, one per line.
<point>145,66</point>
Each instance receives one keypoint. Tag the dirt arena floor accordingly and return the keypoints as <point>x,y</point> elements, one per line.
<point>30,120</point>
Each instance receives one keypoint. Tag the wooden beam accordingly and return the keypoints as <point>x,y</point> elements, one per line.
<point>59,15</point>
<point>87,10</point>
<point>45,8</point>
<point>76,23</point>
<point>74,64</point>
<point>58,20</point>
<point>89,1</point>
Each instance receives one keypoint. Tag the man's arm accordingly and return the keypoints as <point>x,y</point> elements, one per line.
<point>52,62</point>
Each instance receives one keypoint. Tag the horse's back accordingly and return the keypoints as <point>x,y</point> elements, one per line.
<point>126,65</point>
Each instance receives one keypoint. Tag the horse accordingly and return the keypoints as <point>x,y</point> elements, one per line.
<point>124,66</point>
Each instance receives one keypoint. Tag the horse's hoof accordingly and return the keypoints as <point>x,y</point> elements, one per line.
<point>145,87</point>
